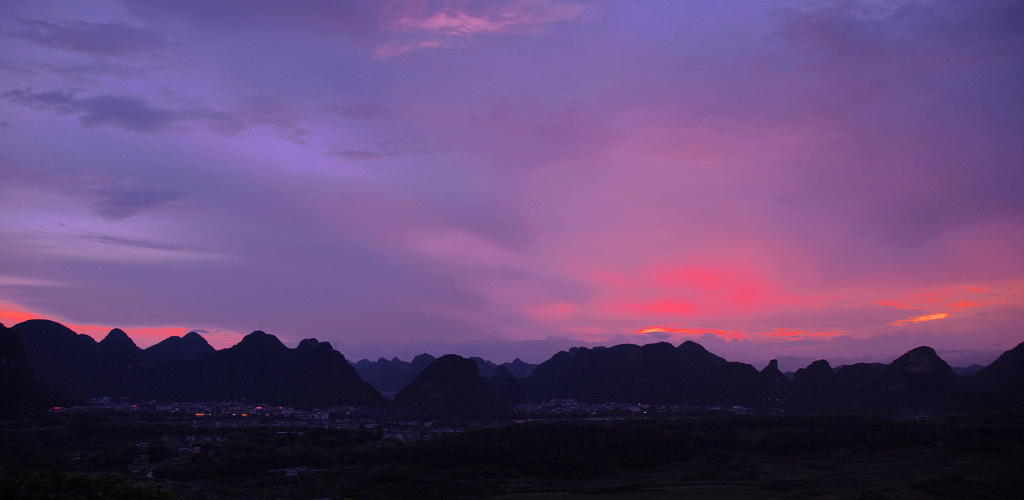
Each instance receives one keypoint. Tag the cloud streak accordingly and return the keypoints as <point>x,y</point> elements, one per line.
<point>127,112</point>
<point>103,39</point>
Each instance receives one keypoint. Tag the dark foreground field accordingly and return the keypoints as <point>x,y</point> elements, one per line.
<point>730,457</point>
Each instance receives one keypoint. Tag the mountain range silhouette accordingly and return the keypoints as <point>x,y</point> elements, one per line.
<point>44,363</point>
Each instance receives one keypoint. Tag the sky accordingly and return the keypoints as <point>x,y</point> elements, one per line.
<point>772,179</point>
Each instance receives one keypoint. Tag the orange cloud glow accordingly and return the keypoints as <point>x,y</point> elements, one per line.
<point>963,304</point>
<point>920,319</point>
<point>687,331</point>
<point>775,333</point>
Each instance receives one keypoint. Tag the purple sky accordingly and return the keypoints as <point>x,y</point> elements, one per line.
<point>772,179</point>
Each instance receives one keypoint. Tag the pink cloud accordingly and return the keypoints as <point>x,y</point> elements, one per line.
<point>456,18</point>
<point>435,24</point>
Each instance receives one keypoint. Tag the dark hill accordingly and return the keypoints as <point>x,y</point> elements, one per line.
<point>1000,385</point>
<point>734,383</point>
<point>919,379</point>
<point>653,373</point>
<point>21,394</point>
<point>60,357</point>
<point>189,347</point>
<point>76,363</point>
<point>815,387</point>
<point>119,364</point>
<point>16,380</point>
<point>776,385</point>
<point>117,340</point>
<point>450,386</point>
<point>261,368</point>
<point>854,379</point>
<point>505,386</point>
<point>916,381</point>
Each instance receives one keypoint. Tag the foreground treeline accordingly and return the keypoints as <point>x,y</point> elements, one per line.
<point>48,364</point>
<point>950,457</point>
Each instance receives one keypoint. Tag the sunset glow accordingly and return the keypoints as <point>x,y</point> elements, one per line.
<point>506,179</point>
<point>142,336</point>
<point>919,319</point>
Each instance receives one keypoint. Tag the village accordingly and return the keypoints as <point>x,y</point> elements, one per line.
<point>382,423</point>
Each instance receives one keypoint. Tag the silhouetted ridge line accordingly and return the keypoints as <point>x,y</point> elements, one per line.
<point>262,369</point>
<point>393,375</point>
<point>189,347</point>
<point>258,368</point>
<point>1000,385</point>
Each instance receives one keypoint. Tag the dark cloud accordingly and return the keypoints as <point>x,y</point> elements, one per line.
<point>131,113</point>
<point>127,112</point>
<point>106,39</point>
<point>118,204</point>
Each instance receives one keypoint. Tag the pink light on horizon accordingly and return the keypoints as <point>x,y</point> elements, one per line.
<point>143,336</point>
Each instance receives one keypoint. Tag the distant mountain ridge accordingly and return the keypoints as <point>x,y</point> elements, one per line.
<point>394,375</point>
<point>261,368</point>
